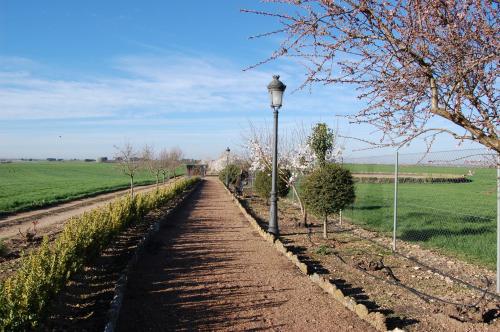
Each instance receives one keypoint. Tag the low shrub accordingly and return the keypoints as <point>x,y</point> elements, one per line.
<point>262,184</point>
<point>24,296</point>
<point>3,248</point>
<point>323,250</point>
<point>233,171</point>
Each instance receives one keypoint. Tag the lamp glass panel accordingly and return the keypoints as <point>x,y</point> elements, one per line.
<point>277,97</point>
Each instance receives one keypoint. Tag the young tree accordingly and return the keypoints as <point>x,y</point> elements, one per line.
<point>164,163</point>
<point>175,159</point>
<point>412,61</point>
<point>152,163</point>
<point>322,142</point>
<point>328,189</point>
<point>128,162</point>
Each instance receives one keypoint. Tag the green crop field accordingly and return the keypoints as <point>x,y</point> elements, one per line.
<point>25,185</point>
<point>456,218</point>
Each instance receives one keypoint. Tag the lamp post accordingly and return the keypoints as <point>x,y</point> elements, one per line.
<point>276,89</point>
<point>227,164</point>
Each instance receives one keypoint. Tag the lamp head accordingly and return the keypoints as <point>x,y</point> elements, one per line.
<point>276,89</point>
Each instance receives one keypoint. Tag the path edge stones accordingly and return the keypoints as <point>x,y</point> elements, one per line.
<point>375,319</point>
<point>121,285</point>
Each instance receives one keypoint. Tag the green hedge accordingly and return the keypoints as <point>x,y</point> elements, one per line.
<point>24,296</point>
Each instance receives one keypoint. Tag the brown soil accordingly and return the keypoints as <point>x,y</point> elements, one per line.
<point>413,296</point>
<point>211,271</point>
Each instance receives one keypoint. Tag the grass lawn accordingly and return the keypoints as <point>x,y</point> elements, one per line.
<point>25,185</point>
<point>456,218</point>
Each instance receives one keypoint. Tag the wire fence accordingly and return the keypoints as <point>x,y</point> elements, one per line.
<point>444,202</point>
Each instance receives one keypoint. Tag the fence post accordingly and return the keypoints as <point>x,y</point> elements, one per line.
<point>498,223</point>
<point>396,171</point>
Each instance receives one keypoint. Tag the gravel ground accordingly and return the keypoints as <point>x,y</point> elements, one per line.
<point>208,270</point>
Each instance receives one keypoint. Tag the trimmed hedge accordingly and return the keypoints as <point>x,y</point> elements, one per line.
<point>24,296</point>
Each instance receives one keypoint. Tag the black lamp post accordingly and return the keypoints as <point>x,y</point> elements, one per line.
<point>227,164</point>
<point>276,89</point>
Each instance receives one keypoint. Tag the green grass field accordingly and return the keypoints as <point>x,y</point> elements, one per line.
<point>456,218</point>
<point>26,185</point>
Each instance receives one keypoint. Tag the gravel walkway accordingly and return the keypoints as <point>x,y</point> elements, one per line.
<point>208,270</point>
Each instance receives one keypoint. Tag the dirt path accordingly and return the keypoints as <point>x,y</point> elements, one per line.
<point>57,215</point>
<point>208,270</point>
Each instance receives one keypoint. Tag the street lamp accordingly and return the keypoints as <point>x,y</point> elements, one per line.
<point>276,89</point>
<point>227,164</point>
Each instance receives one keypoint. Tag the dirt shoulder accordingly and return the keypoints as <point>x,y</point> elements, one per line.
<point>47,217</point>
<point>211,271</point>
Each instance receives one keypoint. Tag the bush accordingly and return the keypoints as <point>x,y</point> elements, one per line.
<point>323,250</point>
<point>25,296</point>
<point>328,190</point>
<point>263,181</point>
<point>3,248</point>
<point>234,172</point>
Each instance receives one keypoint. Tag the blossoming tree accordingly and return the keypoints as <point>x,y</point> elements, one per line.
<point>413,62</point>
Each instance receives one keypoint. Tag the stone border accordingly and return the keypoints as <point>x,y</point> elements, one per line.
<point>375,319</point>
<point>121,284</point>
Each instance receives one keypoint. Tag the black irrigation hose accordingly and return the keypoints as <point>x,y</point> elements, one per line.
<point>425,297</point>
<point>484,291</point>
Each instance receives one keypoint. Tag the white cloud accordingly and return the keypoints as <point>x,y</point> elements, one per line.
<point>147,85</point>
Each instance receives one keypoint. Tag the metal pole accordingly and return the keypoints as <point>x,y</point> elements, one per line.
<point>227,170</point>
<point>396,171</point>
<point>498,223</point>
<point>273,215</point>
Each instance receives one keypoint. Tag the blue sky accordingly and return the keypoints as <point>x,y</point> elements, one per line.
<point>78,77</point>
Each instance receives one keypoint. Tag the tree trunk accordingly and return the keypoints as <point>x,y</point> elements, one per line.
<point>163,177</point>
<point>325,233</point>
<point>157,181</point>
<point>301,204</point>
<point>132,186</point>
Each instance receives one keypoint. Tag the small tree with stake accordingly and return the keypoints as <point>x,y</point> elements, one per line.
<point>328,190</point>
<point>152,164</point>
<point>128,162</point>
<point>164,163</point>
